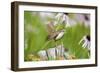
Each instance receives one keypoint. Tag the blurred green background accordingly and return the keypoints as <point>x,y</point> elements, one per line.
<point>35,34</point>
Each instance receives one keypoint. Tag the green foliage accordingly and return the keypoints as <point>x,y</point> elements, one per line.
<point>71,40</point>
<point>34,33</point>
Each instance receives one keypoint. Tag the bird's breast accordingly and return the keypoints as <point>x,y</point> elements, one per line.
<point>60,35</point>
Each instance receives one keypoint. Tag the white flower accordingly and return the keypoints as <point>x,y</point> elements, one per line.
<point>86,42</point>
<point>62,18</point>
<point>66,19</point>
<point>52,53</point>
<point>43,55</point>
<point>60,50</point>
<point>56,52</point>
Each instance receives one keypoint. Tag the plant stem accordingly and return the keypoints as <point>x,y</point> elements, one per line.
<point>45,44</point>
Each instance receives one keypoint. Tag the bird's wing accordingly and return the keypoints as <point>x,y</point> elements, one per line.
<point>50,28</point>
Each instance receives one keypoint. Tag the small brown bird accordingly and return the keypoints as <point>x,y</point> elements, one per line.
<point>56,35</point>
<point>53,34</point>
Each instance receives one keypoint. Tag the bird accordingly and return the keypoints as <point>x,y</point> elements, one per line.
<point>54,34</point>
<point>57,35</point>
